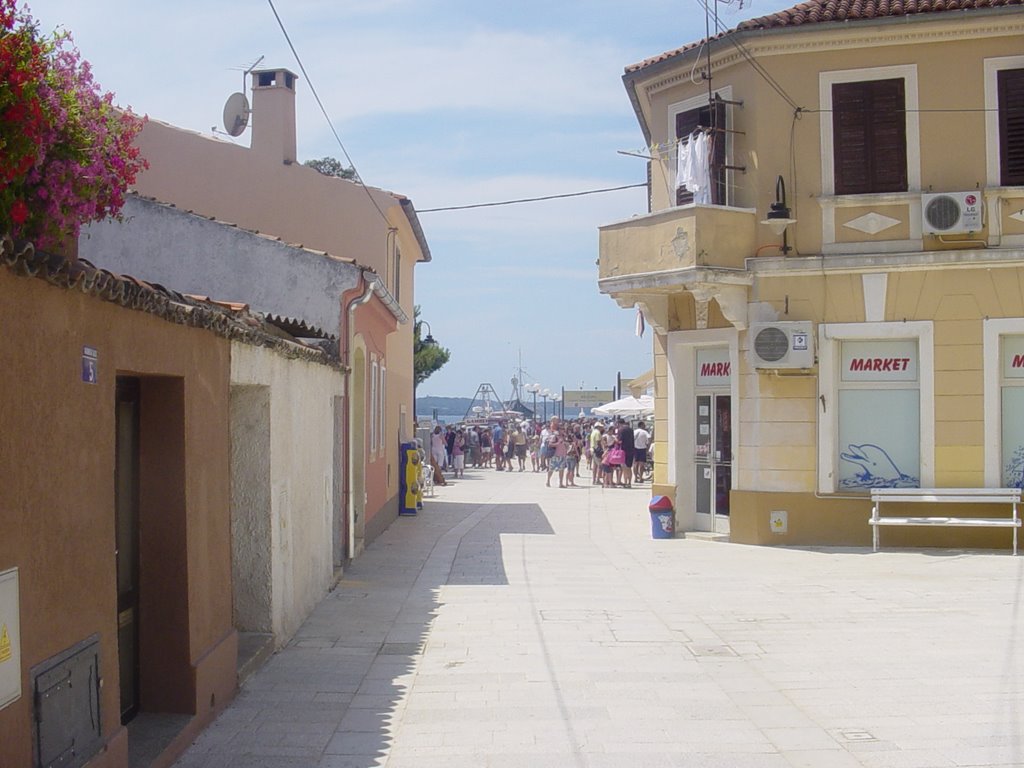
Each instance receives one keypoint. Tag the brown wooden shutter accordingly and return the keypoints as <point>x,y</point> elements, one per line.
<point>1010,85</point>
<point>869,136</point>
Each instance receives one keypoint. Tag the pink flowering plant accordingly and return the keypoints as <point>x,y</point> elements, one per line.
<point>66,152</point>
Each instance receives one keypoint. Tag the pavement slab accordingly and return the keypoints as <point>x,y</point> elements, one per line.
<point>511,624</point>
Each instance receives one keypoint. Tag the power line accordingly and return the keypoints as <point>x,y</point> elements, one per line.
<point>323,109</point>
<point>530,199</point>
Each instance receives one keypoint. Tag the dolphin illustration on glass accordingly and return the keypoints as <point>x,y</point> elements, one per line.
<point>877,469</point>
<point>1013,472</point>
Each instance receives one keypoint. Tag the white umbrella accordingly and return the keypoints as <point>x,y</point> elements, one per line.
<point>627,406</point>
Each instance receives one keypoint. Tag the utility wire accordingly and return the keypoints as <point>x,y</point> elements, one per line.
<point>323,109</point>
<point>530,199</point>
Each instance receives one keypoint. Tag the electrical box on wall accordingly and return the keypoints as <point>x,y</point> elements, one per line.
<point>67,730</point>
<point>10,638</point>
<point>778,521</point>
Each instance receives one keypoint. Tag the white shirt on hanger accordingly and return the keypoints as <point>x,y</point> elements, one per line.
<point>693,167</point>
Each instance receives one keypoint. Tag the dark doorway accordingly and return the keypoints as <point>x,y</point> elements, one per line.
<point>126,501</point>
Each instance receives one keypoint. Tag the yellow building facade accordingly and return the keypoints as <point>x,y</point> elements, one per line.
<point>878,339</point>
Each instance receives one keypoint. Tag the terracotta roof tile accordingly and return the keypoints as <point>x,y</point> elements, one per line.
<point>823,11</point>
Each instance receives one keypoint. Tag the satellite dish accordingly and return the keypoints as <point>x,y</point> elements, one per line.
<point>236,114</point>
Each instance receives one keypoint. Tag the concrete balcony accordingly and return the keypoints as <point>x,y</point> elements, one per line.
<point>701,249</point>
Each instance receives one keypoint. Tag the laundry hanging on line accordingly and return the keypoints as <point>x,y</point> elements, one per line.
<point>693,166</point>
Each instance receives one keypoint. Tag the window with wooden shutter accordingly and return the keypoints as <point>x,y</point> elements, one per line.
<point>869,135</point>
<point>1010,85</point>
<point>706,117</point>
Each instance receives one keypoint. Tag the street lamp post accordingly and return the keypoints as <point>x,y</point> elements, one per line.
<point>545,393</point>
<point>533,389</point>
<point>555,400</point>
<point>427,342</point>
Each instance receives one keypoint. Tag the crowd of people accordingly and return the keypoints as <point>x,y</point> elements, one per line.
<point>613,452</point>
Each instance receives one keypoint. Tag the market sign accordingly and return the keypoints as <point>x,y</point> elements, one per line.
<point>1013,357</point>
<point>714,369</point>
<point>587,399</point>
<point>880,360</point>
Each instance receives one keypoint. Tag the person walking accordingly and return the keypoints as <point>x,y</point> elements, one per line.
<point>534,447</point>
<point>486,446</point>
<point>498,438</point>
<point>625,435</point>
<point>556,450</point>
<point>641,441</point>
<point>449,441</point>
<point>519,443</point>
<point>572,457</point>
<point>473,441</point>
<point>437,453</point>
<point>459,453</point>
<point>596,453</point>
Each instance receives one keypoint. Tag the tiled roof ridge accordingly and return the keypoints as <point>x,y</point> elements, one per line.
<point>824,11</point>
<point>231,323</point>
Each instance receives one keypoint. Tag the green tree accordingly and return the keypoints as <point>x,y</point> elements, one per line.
<point>427,355</point>
<point>331,166</point>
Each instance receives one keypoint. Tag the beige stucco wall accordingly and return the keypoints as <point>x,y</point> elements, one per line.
<point>948,54</point>
<point>291,550</point>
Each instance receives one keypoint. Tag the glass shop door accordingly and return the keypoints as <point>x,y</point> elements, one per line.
<point>713,461</point>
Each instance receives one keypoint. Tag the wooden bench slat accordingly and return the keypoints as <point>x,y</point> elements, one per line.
<point>962,522</point>
<point>947,499</point>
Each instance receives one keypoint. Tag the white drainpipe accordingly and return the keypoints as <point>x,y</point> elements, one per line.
<point>371,279</point>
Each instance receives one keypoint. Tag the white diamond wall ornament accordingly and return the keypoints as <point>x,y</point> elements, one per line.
<point>1018,216</point>
<point>872,223</point>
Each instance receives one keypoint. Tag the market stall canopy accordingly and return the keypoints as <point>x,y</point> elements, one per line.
<point>627,406</point>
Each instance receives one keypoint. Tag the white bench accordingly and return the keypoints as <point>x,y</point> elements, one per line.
<point>1009,496</point>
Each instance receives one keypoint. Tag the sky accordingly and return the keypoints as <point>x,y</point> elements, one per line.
<point>449,102</point>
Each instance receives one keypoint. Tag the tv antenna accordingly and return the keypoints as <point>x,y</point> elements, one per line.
<point>236,109</point>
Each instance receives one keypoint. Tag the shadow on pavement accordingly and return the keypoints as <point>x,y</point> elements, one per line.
<point>329,698</point>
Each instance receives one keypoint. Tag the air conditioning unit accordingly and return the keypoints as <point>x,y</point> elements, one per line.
<point>951,213</point>
<point>782,344</point>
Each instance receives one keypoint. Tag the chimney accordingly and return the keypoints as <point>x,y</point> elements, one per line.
<point>273,114</point>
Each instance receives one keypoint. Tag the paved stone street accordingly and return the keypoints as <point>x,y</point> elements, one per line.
<point>512,625</point>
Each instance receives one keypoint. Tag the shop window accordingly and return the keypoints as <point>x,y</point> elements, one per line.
<point>877,407</point>
<point>879,415</point>
<point>1012,411</point>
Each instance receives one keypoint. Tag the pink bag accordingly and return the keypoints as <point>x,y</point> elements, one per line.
<point>616,456</point>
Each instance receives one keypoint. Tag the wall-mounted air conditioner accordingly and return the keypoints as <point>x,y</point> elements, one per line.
<point>786,344</point>
<point>951,213</point>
